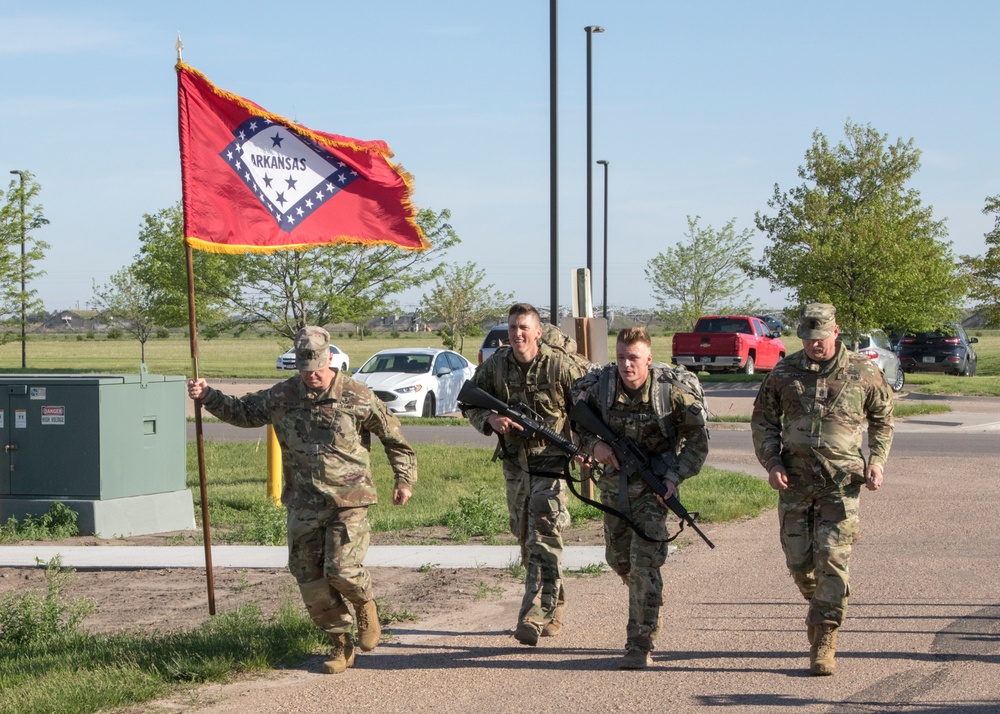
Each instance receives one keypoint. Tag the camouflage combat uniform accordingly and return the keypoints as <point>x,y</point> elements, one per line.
<point>536,504</point>
<point>328,483</point>
<point>810,417</point>
<point>676,455</point>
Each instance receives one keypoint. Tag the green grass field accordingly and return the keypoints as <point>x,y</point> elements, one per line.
<point>252,357</point>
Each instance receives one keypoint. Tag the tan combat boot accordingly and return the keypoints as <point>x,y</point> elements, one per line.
<point>527,633</point>
<point>554,626</point>
<point>635,658</point>
<point>821,663</point>
<point>341,654</point>
<point>369,631</point>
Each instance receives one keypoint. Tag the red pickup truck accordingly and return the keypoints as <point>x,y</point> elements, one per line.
<point>728,342</point>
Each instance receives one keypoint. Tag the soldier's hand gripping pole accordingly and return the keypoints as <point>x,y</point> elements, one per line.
<point>632,460</point>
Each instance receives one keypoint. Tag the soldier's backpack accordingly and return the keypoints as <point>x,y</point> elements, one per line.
<point>665,378</point>
<point>561,343</point>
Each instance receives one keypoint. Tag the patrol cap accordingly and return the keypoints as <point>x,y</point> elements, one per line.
<point>312,349</point>
<point>817,321</point>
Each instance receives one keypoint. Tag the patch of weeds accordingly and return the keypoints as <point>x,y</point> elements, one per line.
<point>515,568</point>
<point>427,567</point>
<point>587,570</point>
<point>27,618</point>
<point>476,515</point>
<point>387,615</point>
<point>57,523</point>
<point>483,591</point>
<point>267,526</point>
<point>243,583</point>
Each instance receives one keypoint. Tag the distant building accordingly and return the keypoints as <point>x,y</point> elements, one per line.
<point>71,321</point>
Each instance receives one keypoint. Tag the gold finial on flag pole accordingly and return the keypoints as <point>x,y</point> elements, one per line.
<point>180,46</point>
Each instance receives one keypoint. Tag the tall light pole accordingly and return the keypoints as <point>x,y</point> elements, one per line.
<point>24,345</point>
<point>604,298</point>
<point>590,30</point>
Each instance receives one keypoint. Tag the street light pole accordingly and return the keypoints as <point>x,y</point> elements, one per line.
<point>24,346</point>
<point>590,30</point>
<point>604,298</point>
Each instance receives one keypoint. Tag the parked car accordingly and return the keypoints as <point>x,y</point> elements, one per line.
<point>497,337</point>
<point>776,326</point>
<point>739,343</point>
<point>416,382</point>
<point>947,350</point>
<point>338,360</point>
<point>877,347</point>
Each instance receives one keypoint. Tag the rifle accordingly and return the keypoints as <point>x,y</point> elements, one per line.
<point>473,396</point>
<point>631,460</point>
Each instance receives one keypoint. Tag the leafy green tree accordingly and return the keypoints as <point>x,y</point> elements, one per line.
<point>854,235</point>
<point>984,272</point>
<point>127,303</point>
<point>461,301</point>
<point>702,275</point>
<point>20,251</point>
<point>161,267</point>
<point>337,283</point>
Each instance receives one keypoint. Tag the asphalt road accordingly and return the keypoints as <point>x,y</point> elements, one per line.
<point>922,635</point>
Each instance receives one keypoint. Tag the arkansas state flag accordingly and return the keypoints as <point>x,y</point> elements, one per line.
<point>254,181</point>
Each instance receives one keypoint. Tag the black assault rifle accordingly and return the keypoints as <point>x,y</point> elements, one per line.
<point>631,460</point>
<point>473,396</point>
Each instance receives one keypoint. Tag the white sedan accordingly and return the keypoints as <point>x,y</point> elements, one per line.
<point>338,360</point>
<point>416,382</point>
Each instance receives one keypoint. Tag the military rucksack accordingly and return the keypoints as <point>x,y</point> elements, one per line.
<point>665,378</point>
<point>561,344</point>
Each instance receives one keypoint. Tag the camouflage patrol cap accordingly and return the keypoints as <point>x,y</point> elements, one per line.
<point>817,321</point>
<point>312,349</point>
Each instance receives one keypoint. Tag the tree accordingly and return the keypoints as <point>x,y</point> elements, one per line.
<point>984,273</point>
<point>160,266</point>
<point>853,235</point>
<point>20,251</point>
<point>462,303</point>
<point>338,283</point>
<point>127,302</point>
<point>702,275</point>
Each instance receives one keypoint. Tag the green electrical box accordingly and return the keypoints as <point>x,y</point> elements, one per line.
<point>111,447</point>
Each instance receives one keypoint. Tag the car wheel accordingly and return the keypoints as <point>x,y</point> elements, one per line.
<point>897,385</point>
<point>966,369</point>
<point>748,367</point>
<point>343,367</point>
<point>429,406</point>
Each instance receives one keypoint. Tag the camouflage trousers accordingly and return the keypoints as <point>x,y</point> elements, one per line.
<point>326,549</point>
<point>818,526</point>
<point>537,509</point>
<point>636,560</point>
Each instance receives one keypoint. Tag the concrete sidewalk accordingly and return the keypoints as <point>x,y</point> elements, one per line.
<point>250,556</point>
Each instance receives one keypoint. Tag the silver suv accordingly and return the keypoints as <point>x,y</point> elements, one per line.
<point>877,347</point>
<point>496,337</point>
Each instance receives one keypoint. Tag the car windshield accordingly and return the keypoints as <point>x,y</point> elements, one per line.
<point>403,362</point>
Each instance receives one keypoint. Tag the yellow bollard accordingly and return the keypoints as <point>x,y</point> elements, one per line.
<point>273,466</point>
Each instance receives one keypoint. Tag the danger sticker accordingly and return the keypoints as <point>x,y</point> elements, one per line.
<point>53,415</point>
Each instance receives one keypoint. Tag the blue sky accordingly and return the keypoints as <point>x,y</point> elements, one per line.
<point>700,108</point>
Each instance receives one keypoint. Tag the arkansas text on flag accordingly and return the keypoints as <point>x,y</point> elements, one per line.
<point>254,181</point>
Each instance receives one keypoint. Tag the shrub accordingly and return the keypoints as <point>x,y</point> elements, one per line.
<point>476,516</point>
<point>162,333</point>
<point>57,523</point>
<point>114,333</point>
<point>27,618</point>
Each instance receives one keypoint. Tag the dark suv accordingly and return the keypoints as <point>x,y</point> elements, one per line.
<point>946,350</point>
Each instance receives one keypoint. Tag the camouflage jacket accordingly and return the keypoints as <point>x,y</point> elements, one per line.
<point>324,455</point>
<point>545,387</point>
<point>811,419</point>
<point>675,459</point>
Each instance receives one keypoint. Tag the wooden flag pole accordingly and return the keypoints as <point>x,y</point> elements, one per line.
<point>199,435</point>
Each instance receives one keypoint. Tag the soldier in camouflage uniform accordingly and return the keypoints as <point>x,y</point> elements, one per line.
<point>531,373</point>
<point>676,453</point>
<point>319,417</point>
<point>808,421</point>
